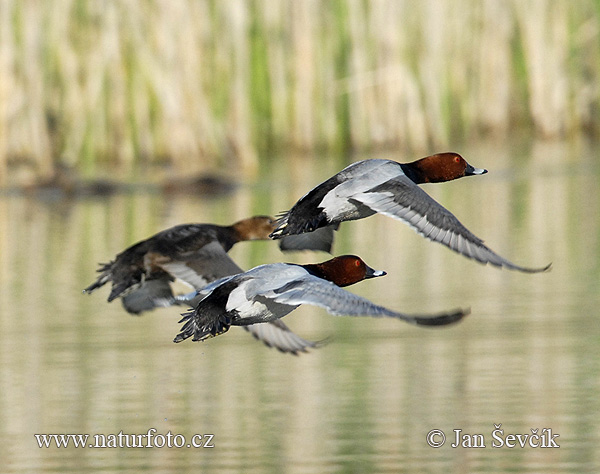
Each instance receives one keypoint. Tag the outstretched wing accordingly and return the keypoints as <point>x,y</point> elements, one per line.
<point>404,201</point>
<point>149,295</point>
<point>198,268</point>
<point>276,334</point>
<point>337,301</point>
<point>320,239</point>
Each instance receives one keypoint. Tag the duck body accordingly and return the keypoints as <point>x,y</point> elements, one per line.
<point>142,274</point>
<point>195,252</point>
<point>390,188</point>
<point>269,292</point>
<point>354,193</point>
<point>332,202</point>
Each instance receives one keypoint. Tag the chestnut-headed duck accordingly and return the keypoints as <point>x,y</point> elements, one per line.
<point>196,254</point>
<point>383,186</point>
<point>269,292</point>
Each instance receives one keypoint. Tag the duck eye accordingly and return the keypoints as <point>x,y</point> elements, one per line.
<point>457,159</point>
<point>357,263</point>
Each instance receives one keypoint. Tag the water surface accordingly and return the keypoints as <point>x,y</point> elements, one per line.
<point>528,357</point>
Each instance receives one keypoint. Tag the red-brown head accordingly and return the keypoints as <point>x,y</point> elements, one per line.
<point>254,228</point>
<point>344,270</point>
<point>442,167</point>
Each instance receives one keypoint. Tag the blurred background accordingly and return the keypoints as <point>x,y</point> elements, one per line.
<point>121,118</point>
<point>197,85</point>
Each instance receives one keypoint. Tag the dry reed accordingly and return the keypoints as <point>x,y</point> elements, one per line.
<point>200,84</point>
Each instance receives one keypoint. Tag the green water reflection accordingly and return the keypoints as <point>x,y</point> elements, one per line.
<point>528,357</point>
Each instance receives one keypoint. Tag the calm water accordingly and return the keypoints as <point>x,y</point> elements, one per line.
<point>528,357</point>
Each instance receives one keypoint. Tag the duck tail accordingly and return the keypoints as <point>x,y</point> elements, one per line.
<point>105,269</point>
<point>300,226</point>
<point>282,221</point>
<point>200,332</point>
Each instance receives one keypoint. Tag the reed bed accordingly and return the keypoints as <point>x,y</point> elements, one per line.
<point>201,85</point>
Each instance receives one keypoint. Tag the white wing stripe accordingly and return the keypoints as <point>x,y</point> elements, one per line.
<point>184,273</point>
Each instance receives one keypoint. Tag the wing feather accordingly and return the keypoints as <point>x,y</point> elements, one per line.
<point>201,267</point>
<point>276,334</point>
<point>337,301</point>
<point>149,295</point>
<point>415,207</point>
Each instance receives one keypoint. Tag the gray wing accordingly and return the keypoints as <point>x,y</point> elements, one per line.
<point>319,239</point>
<point>203,266</point>
<point>276,334</point>
<point>194,297</point>
<point>403,200</point>
<point>149,295</point>
<point>337,301</point>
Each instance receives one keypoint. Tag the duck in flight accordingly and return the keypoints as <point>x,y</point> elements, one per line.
<point>269,292</point>
<point>390,188</point>
<point>196,254</point>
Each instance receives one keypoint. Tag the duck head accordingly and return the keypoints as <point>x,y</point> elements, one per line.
<point>254,228</point>
<point>344,270</point>
<point>443,167</point>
